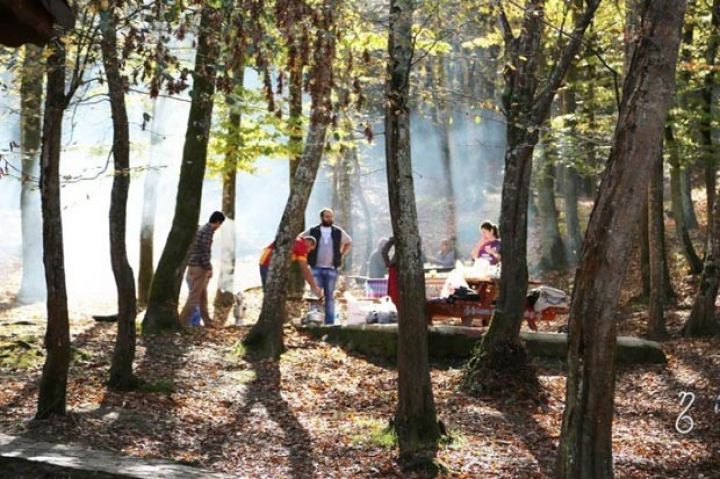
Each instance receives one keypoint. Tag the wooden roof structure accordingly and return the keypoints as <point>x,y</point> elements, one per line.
<point>32,21</point>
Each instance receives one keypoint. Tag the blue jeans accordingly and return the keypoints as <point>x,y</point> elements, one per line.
<point>263,275</point>
<point>326,279</point>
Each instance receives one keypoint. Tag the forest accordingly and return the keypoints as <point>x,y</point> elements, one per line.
<point>343,239</point>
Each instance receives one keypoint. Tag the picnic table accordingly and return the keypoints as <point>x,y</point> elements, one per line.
<point>482,307</point>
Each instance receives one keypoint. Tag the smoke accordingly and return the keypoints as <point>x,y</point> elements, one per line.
<point>477,143</point>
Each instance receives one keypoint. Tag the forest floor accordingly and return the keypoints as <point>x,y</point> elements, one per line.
<point>321,411</point>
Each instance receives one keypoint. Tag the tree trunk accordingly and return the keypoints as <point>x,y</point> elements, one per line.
<point>344,212</point>
<point>553,251</point>
<point>442,127</point>
<point>694,262</point>
<point>572,183</point>
<point>265,339</point>
<point>32,286</point>
<point>526,112</point>
<point>415,418</point>
<point>121,370</point>
<point>687,100</point>
<point>225,294</point>
<point>703,319</point>
<point>367,216</point>
<point>705,117</point>
<point>296,282</point>
<point>570,186</point>
<point>687,201</point>
<point>162,312</point>
<point>53,383</point>
<point>656,253</point>
<point>645,250</point>
<point>585,442</point>
<point>149,208</point>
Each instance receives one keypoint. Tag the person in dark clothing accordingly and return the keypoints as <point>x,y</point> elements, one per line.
<point>333,243</point>
<point>199,269</point>
<point>376,265</point>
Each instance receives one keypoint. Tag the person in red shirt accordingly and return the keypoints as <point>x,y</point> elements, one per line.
<point>301,248</point>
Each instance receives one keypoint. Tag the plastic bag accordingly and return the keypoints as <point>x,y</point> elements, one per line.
<point>456,279</point>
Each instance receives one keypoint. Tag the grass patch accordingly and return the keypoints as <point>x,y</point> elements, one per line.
<point>373,432</point>
<point>160,386</point>
<point>454,439</point>
<point>238,350</point>
<point>21,353</point>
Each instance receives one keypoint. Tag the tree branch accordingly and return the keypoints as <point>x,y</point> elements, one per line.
<point>545,98</point>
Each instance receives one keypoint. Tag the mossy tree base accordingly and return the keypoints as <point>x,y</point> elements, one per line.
<point>499,370</point>
<point>161,318</point>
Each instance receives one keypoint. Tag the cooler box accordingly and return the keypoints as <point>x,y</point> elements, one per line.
<point>376,288</point>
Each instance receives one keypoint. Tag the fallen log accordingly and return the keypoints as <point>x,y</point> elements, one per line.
<point>446,342</point>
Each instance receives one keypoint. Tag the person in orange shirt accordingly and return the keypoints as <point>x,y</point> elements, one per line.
<point>301,248</point>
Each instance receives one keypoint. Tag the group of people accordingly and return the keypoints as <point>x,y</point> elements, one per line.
<point>487,248</point>
<point>320,252</point>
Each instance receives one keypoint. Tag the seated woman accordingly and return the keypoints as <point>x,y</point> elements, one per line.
<point>488,248</point>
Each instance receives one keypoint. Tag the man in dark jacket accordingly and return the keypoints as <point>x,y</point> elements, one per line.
<point>333,243</point>
<point>199,269</point>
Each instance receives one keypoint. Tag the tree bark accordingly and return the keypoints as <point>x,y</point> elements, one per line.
<point>162,312</point>
<point>694,262</point>
<point>296,283</point>
<point>344,212</point>
<point>149,208</point>
<point>121,369</point>
<point>572,181</point>
<point>442,127</point>
<point>645,250</point>
<point>688,100</point>
<point>553,251</point>
<point>705,123</point>
<point>703,320</point>
<point>585,442</point>
<point>525,111</point>
<point>53,383</point>
<point>415,418</point>
<point>656,253</point>
<point>265,339</point>
<point>687,201</point>
<point>32,286</point>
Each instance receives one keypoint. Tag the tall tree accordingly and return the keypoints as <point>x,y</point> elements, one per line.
<point>526,110</point>
<point>162,311</point>
<point>676,200</point>
<point>552,249</point>
<point>152,175</point>
<point>656,253</point>
<point>289,20</point>
<point>415,418</point>
<point>53,383</point>
<point>149,208</point>
<point>703,318</point>
<point>441,120</point>
<point>266,337</point>
<point>32,287</point>
<point>121,369</point>
<point>585,442</point>
<point>706,114</point>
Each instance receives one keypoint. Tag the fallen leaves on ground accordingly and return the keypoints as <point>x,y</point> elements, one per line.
<point>320,411</point>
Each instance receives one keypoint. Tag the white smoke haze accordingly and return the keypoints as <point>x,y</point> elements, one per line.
<point>261,195</point>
